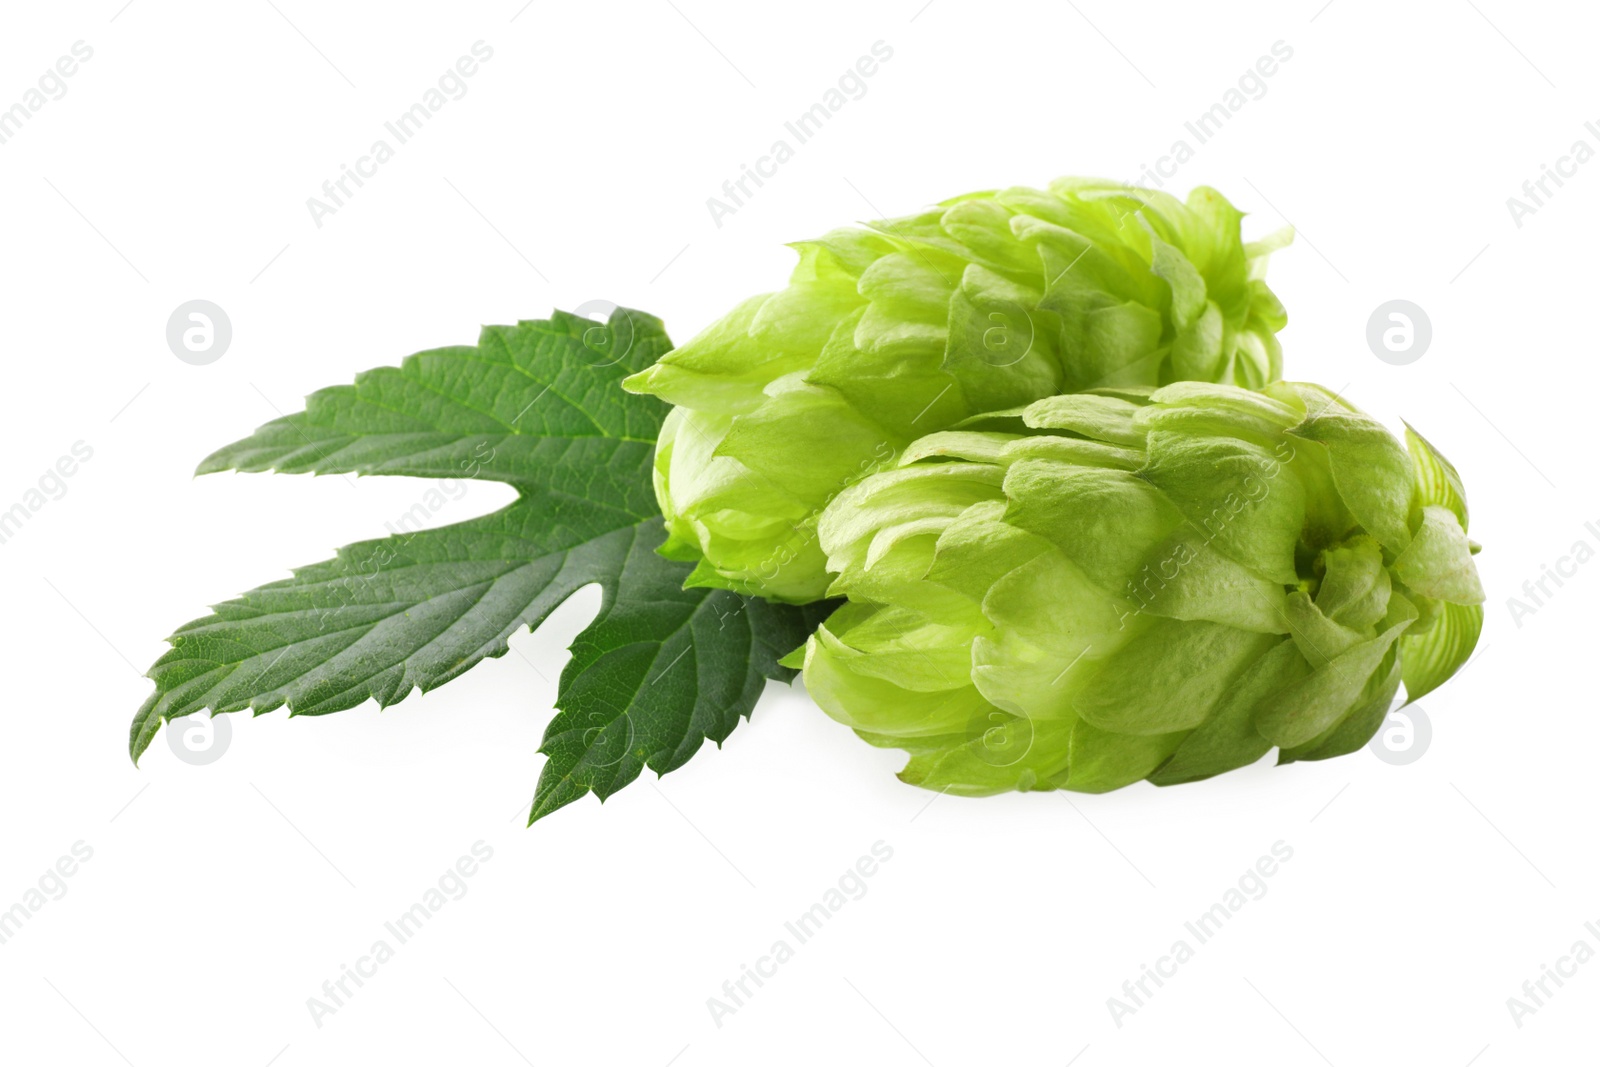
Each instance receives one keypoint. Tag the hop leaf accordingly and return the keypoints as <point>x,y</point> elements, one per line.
<point>536,405</point>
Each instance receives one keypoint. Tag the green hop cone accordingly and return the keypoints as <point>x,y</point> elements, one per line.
<point>894,331</point>
<point>1100,588</point>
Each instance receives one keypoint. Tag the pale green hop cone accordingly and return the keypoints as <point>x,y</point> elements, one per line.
<point>906,327</point>
<point>1101,588</point>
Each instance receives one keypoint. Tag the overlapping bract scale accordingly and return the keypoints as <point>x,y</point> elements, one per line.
<point>1126,584</point>
<point>906,327</point>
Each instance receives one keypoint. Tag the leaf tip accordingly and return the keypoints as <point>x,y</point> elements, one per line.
<point>146,725</point>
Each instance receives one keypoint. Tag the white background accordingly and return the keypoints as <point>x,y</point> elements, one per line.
<point>219,898</point>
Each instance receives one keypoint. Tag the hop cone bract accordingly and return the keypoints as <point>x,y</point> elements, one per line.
<point>1101,588</point>
<point>890,332</point>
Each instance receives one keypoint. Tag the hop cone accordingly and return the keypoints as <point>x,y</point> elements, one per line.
<point>888,333</point>
<point>1106,587</point>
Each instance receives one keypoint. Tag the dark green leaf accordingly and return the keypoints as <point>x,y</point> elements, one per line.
<point>661,669</point>
<point>538,406</point>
